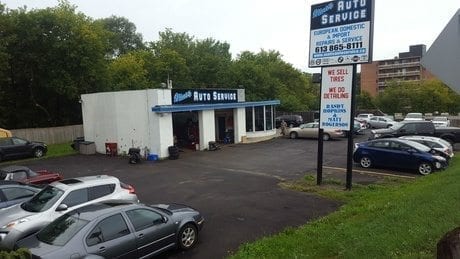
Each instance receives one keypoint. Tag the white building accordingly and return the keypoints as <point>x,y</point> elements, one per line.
<point>154,119</point>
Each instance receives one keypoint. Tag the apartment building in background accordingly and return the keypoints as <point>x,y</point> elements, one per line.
<point>405,67</point>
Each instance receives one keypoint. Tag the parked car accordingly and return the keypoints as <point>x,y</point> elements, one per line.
<point>433,142</point>
<point>414,116</point>
<point>26,175</point>
<point>291,120</point>
<point>364,117</point>
<point>398,153</point>
<point>441,121</point>
<point>12,193</point>
<point>310,130</point>
<point>379,122</point>
<point>14,147</point>
<point>54,200</point>
<point>422,128</point>
<point>117,230</point>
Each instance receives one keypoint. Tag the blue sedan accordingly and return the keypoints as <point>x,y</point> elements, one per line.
<point>398,153</point>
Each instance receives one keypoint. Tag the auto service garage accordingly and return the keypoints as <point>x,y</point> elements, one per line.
<point>155,119</point>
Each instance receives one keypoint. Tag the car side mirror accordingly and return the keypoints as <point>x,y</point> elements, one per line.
<point>62,207</point>
<point>165,219</point>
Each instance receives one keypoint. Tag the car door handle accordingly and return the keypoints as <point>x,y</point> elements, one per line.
<point>140,236</point>
<point>102,249</point>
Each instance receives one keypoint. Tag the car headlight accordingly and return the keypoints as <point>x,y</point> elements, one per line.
<point>439,158</point>
<point>16,222</point>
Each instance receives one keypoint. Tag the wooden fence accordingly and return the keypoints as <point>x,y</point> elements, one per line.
<point>53,135</point>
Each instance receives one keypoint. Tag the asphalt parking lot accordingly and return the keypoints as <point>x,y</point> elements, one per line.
<point>236,188</point>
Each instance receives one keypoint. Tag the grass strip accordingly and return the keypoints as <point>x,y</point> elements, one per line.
<point>399,220</point>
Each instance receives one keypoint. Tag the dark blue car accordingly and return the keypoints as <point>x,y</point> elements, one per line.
<point>398,153</point>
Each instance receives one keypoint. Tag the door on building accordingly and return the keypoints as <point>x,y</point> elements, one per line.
<point>186,129</point>
<point>221,124</point>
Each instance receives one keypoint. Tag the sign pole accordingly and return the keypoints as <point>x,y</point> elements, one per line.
<point>319,161</point>
<point>350,132</point>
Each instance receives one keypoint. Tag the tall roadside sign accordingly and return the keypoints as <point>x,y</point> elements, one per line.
<point>341,32</point>
<point>341,36</point>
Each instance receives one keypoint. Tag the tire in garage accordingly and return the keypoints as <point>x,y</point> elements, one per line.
<point>173,152</point>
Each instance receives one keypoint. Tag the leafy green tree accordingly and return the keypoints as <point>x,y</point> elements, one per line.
<point>129,71</point>
<point>421,96</point>
<point>55,54</point>
<point>364,101</point>
<point>123,37</point>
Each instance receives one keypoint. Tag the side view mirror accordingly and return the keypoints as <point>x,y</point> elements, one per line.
<point>62,207</point>
<point>165,219</point>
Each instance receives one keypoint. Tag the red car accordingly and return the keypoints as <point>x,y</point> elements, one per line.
<point>26,175</point>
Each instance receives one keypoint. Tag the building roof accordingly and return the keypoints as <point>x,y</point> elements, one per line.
<point>216,106</point>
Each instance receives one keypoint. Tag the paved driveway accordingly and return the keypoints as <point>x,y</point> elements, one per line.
<point>236,188</point>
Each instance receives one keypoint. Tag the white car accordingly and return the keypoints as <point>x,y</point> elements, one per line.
<point>380,122</point>
<point>434,143</point>
<point>56,199</point>
<point>441,121</point>
<point>414,116</point>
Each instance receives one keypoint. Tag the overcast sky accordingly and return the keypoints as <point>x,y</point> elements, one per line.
<point>267,24</point>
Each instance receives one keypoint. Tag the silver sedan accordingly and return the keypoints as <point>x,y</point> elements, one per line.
<point>310,130</point>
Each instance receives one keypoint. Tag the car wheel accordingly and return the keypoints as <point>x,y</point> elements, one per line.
<point>293,135</point>
<point>365,162</point>
<point>326,137</point>
<point>389,126</point>
<point>38,152</point>
<point>425,168</point>
<point>368,126</point>
<point>188,236</point>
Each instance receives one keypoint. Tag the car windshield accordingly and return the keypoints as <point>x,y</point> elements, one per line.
<point>43,200</point>
<point>60,231</point>
<point>415,115</point>
<point>418,146</point>
<point>396,126</point>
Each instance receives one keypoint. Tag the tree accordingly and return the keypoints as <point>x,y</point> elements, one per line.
<point>421,96</point>
<point>55,54</point>
<point>123,37</point>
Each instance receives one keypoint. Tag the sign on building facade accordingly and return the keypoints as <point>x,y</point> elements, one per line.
<point>203,96</point>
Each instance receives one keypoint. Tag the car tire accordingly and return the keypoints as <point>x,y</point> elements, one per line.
<point>38,152</point>
<point>326,137</point>
<point>293,135</point>
<point>188,236</point>
<point>368,126</point>
<point>425,168</point>
<point>365,162</point>
<point>389,126</point>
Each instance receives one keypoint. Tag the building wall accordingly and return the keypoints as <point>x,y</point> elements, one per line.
<point>405,67</point>
<point>369,78</point>
<point>126,118</point>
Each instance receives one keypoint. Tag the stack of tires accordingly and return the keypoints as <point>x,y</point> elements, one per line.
<point>173,152</point>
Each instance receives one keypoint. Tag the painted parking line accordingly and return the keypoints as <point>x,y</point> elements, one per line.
<point>370,172</point>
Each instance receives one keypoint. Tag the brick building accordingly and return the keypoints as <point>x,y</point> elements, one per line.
<point>405,67</point>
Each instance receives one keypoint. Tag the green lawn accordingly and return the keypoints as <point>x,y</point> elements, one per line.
<point>63,149</point>
<point>391,220</point>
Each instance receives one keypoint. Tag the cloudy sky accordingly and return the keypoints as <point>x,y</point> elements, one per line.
<point>267,24</point>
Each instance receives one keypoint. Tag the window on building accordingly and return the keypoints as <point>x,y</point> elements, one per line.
<point>269,117</point>
<point>249,125</point>
<point>259,118</point>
